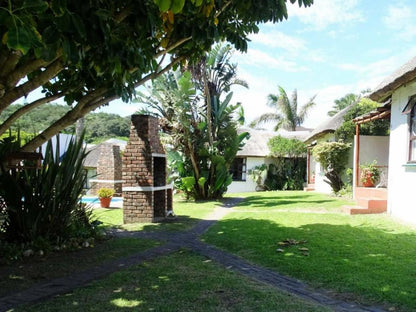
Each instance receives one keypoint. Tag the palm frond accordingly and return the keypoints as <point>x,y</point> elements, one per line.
<point>265,118</point>
<point>305,109</point>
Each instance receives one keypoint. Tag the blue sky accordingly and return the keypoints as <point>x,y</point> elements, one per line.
<point>330,49</point>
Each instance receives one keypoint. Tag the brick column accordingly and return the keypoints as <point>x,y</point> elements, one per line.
<point>144,173</point>
<point>109,168</point>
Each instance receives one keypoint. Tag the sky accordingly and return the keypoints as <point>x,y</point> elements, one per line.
<point>330,49</point>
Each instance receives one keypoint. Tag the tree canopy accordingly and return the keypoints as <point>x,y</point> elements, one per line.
<point>98,126</point>
<point>287,115</point>
<point>346,131</point>
<point>92,52</point>
<point>201,123</point>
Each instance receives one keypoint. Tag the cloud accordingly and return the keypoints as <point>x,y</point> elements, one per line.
<point>371,74</point>
<point>255,57</point>
<point>324,13</point>
<point>401,20</point>
<point>277,39</point>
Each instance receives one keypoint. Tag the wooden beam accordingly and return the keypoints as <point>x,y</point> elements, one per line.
<point>357,154</point>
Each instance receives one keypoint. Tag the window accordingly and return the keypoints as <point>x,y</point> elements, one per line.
<point>412,135</point>
<point>410,110</point>
<point>238,169</point>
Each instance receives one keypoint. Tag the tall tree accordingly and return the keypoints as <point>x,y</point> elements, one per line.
<point>287,115</point>
<point>201,122</point>
<point>92,52</point>
<point>344,102</point>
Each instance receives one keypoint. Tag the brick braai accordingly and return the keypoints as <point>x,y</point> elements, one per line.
<point>146,197</point>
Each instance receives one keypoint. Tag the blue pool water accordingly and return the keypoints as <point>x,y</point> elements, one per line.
<point>95,200</point>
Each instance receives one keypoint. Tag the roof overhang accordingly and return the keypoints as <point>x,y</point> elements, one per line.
<point>382,112</point>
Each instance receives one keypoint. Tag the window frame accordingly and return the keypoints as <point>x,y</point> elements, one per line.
<point>240,169</point>
<point>412,131</point>
<point>410,111</point>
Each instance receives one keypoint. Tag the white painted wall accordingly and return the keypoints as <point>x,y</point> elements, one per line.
<point>373,148</point>
<point>402,177</point>
<point>249,185</point>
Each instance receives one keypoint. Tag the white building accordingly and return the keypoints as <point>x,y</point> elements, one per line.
<point>400,89</point>
<point>255,153</point>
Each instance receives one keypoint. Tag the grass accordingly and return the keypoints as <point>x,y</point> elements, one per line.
<point>178,282</point>
<point>367,258</point>
<point>27,272</point>
<point>188,214</point>
<point>23,274</point>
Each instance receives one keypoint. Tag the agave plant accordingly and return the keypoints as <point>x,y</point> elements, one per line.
<point>41,202</point>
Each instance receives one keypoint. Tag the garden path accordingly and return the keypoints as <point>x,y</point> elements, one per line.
<point>173,241</point>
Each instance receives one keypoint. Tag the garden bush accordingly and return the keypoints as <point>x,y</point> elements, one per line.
<point>42,204</point>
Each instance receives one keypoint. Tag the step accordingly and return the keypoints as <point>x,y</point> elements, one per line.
<point>354,210</point>
<point>310,187</point>
<point>373,192</point>
<point>372,203</point>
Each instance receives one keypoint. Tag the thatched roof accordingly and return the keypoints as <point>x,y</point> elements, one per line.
<point>91,161</point>
<point>403,75</point>
<point>329,125</point>
<point>256,145</point>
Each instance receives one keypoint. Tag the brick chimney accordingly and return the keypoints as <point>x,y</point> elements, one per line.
<point>146,197</point>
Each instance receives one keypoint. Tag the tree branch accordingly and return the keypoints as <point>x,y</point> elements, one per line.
<point>87,104</point>
<point>173,46</point>
<point>10,64</point>
<point>23,90</point>
<point>24,109</point>
<point>26,69</point>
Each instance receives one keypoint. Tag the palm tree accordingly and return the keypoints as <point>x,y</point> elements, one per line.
<point>344,102</point>
<point>287,115</point>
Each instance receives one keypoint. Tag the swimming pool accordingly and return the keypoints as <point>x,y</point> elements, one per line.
<point>95,200</point>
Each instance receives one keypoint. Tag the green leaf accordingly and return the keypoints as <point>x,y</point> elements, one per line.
<point>19,38</point>
<point>35,6</point>
<point>202,181</point>
<point>58,7</point>
<point>79,25</point>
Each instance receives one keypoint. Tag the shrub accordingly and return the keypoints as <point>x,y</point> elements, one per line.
<point>105,192</point>
<point>333,157</point>
<point>40,203</point>
<point>370,171</point>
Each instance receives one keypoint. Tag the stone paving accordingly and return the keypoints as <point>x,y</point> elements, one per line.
<point>173,242</point>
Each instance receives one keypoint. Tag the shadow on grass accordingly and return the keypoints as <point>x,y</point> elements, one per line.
<point>365,263</point>
<point>188,214</point>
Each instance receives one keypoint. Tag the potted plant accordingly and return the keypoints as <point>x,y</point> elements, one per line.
<point>105,194</point>
<point>369,174</point>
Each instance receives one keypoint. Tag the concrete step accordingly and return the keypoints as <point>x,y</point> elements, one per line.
<point>354,210</point>
<point>309,188</point>
<point>370,192</point>
<point>372,203</point>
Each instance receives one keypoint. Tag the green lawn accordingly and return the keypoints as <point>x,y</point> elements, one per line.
<point>179,282</point>
<point>188,214</point>
<point>368,258</point>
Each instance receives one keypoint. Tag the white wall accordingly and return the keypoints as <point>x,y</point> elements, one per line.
<point>402,177</point>
<point>249,185</point>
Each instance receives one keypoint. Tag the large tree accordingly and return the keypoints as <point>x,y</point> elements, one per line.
<point>344,102</point>
<point>287,115</point>
<point>92,52</point>
<point>201,122</point>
